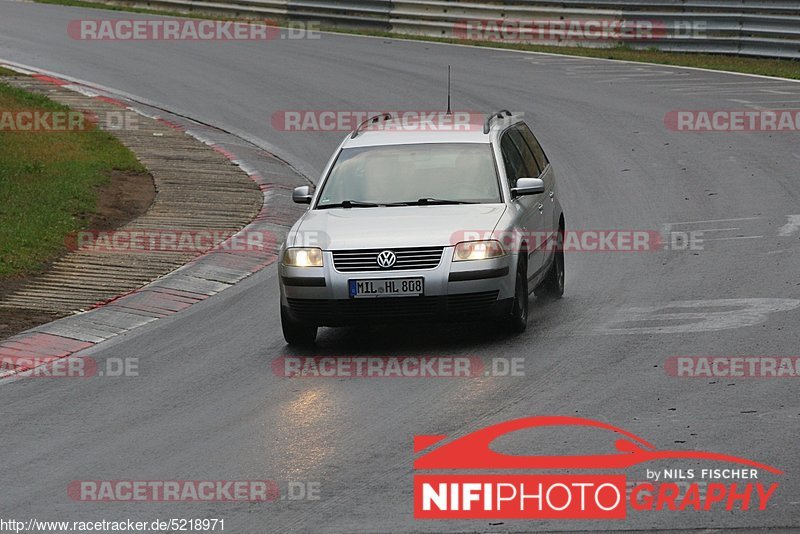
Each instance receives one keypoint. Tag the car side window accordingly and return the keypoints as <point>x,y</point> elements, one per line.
<point>532,169</point>
<point>512,160</point>
<point>527,134</point>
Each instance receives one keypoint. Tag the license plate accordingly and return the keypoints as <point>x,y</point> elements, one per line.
<point>389,287</point>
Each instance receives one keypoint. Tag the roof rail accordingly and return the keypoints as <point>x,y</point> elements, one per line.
<point>496,115</point>
<point>371,120</point>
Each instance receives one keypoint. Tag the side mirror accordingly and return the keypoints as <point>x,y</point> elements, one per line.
<point>527,186</point>
<point>302,194</point>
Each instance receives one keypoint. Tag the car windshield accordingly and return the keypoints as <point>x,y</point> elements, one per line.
<point>412,174</point>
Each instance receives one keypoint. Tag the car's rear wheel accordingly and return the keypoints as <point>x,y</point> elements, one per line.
<point>297,332</point>
<point>553,285</point>
<point>517,320</point>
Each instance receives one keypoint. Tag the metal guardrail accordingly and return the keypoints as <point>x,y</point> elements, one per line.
<point>744,27</point>
<point>767,28</point>
<point>367,14</point>
<point>267,9</point>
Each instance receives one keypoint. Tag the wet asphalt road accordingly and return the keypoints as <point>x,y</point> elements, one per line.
<point>207,405</point>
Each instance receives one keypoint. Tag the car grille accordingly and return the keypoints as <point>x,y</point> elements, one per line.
<point>367,260</point>
<point>341,312</point>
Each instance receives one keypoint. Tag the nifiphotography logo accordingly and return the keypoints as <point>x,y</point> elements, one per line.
<point>489,484</point>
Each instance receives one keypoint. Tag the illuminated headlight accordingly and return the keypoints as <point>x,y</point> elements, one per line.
<point>478,250</point>
<point>302,257</point>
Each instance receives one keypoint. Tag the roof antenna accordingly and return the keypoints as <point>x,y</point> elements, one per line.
<point>448,91</point>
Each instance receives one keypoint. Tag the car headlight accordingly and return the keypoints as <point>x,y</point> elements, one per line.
<point>302,257</point>
<point>478,250</point>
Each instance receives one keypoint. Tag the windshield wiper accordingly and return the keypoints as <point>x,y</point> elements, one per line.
<point>421,202</point>
<point>428,200</point>
<point>348,204</point>
<point>391,204</point>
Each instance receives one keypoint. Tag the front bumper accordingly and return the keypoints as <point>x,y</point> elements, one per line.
<point>459,291</point>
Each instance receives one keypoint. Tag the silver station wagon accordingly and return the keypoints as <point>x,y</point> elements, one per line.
<point>425,224</point>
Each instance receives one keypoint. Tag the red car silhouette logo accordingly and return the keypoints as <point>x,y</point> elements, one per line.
<point>473,450</point>
<point>472,495</point>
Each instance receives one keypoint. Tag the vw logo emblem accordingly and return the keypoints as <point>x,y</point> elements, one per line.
<point>386,259</point>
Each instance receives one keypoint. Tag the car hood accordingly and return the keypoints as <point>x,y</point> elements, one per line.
<point>394,227</point>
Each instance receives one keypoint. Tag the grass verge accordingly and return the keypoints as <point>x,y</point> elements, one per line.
<point>49,183</point>
<point>784,68</point>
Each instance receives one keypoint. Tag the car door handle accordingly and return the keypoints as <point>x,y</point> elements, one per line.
<point>541,207</point>
<point>552,194</point>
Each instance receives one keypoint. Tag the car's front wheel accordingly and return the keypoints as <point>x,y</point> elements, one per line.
<point>297,332</point>
<point>553,285</point>
<point>517,320</point>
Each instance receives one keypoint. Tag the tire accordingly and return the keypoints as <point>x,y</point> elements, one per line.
<point>516,321</point>
<point>297,332</point>
<point>553,285</point>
